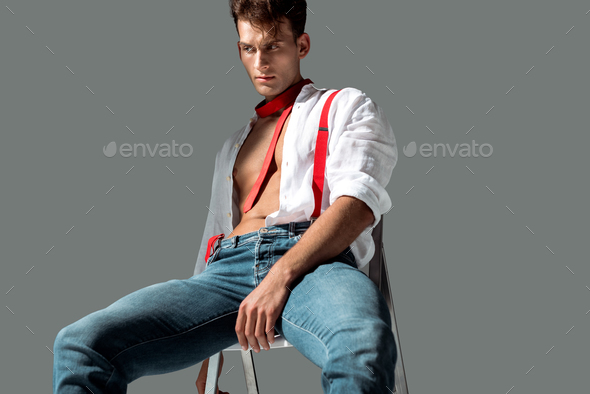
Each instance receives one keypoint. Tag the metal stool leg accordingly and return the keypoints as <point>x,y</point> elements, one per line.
<point>212,373</point>
<point>378,274</point>
<point>249,372</point>
<point>401,386</point>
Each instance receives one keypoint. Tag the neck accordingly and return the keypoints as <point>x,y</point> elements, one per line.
<point>284,99</point>
<point>268,100</point>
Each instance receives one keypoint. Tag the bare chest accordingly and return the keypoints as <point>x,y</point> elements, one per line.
<point>248,163</point>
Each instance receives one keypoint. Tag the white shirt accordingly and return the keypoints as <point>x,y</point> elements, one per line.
<point>361,155</point>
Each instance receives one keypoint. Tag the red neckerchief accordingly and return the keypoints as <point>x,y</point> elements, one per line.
<point>282,100</point>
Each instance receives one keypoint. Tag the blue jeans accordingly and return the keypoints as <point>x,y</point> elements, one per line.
<point>335,316</point>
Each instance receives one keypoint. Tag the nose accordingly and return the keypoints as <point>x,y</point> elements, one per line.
<point>260,61</point>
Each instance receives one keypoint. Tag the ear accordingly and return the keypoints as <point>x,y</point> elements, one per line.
<point>304,44</point>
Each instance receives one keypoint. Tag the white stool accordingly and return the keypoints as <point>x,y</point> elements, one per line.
<point>377,272</point>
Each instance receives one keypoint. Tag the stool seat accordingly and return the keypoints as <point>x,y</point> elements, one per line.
<point>279,342</point>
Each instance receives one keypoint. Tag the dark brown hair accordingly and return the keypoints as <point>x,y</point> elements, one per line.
<point>267,14</point>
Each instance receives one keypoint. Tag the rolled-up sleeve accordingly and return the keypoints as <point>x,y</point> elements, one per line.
<point>362,153</point>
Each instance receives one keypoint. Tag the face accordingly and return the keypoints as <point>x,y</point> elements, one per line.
<point>278,58</point>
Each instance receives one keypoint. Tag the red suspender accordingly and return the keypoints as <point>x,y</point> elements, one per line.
<point>319,161</point>
<point>211,242</point>
<point>319,168</point>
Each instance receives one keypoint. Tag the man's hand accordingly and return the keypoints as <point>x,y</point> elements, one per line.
<point>260,310</point>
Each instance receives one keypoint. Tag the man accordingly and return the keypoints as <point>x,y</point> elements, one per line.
<point>275,270</point>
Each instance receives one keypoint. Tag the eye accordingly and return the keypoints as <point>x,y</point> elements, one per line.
<point>249,49</point>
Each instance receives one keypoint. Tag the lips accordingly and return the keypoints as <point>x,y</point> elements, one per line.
<point>264,79</point>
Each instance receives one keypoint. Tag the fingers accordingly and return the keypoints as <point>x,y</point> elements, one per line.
<point>270,334</point>
<point>250,331</point>
<point>261,332</point>
<point>240,324</point>
<point>253,328</point>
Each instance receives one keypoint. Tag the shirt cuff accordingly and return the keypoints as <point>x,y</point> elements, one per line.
<point>364,194</point>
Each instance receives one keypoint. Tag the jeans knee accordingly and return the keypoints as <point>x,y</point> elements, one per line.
<point>362,358</point>
<point>383,340</point>
<point>65,336</point>
<point>370,340</point>
<point>80,336</point>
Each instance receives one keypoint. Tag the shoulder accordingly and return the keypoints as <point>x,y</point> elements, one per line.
<point>346,100</point>
<point>349,104</point>
<point>341,94</point>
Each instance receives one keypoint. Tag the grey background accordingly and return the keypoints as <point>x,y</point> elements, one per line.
<point>483,304</point>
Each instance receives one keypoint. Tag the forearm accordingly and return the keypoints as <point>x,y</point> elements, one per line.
<point>335,229</point>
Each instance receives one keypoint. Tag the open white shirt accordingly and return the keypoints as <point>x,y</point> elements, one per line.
<point>361,155</point>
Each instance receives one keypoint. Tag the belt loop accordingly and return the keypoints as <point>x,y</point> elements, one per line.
<point>218,241</point>
<point>313,219</point>
<point>291,229</point>
<point>212,243</point>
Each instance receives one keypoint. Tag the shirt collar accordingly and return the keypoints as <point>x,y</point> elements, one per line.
<point>304,94</point>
